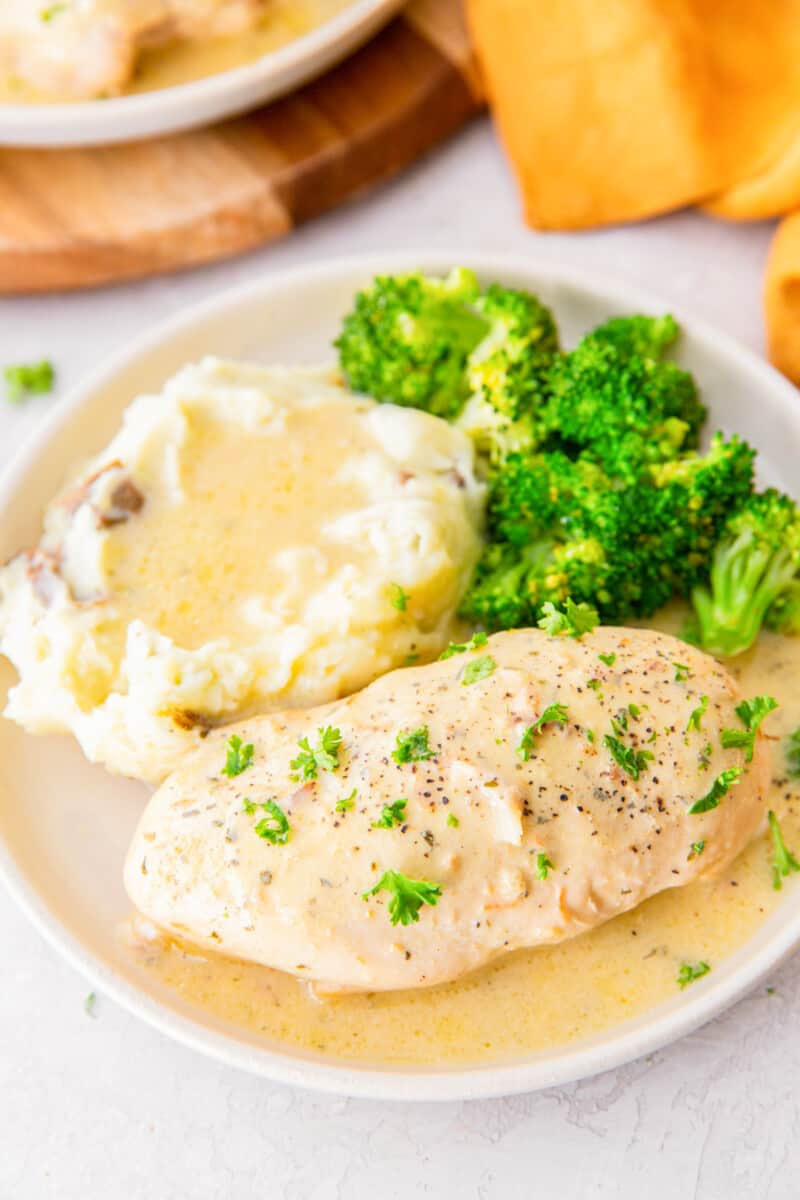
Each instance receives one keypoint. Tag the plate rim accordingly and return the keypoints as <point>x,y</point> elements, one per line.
<point>708,998</point>
<point>187,105</point>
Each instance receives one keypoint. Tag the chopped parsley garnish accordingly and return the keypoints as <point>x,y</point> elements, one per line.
<point>619,723</point>
<point>554,714</point>
<point>594,684</point>
<point>632,761</point>
<point>479,638</point>
<point>590,737</point>
<point>543,865</point>
<point>53,10</point>
<point>698,848</point>
<point>274,827</point>
<point>719,788</point>
<point>478,669</point>
<point>751,713</point>
<point>608,659</point>
<point>682,672</point>
<point>391,815</point>
<point>400,597</point>
<point>407,896</point>
<point>325,755</point>
<point>249,806</point>
<point>27,379</point>
<point>688,973</point>
<point>575,620</point>
<point>785,862</point>
<point>453,821</point>
<point>697,714</point>
<point>347,803</point>
<point>793,755</point>
<point>238,757</point>
<point>88,1005</point>
<point>413,746</point>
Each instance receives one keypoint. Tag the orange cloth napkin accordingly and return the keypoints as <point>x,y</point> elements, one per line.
<point>616,110</point>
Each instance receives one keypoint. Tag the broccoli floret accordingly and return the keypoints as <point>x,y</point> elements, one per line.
<point>647,337</point>
<point>533,493</point>
<point>507,374</point>
<point>695,496</point>
<point>622,410</point>
<point>562,529</point>
<point>512,584</point>
<point>408,338</point>
<point>754,564</point>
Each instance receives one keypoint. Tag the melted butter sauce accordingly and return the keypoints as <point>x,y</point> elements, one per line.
<point>183,62</point>
<point>534,999</point>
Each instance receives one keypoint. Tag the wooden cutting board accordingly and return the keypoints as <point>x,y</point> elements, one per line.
<point>77,218</point>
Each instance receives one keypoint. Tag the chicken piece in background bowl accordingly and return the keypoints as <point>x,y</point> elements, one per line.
<point>81,49</point>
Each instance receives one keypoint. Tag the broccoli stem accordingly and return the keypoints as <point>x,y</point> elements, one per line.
<point>746,578</point>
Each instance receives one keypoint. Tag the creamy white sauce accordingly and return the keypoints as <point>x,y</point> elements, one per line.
<point>534,999</point>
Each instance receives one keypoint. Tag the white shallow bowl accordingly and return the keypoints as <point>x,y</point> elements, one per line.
<point>187,105</point>
<point>65,825</point>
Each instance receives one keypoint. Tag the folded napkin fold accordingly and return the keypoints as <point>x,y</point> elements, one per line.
<point>616,110</point>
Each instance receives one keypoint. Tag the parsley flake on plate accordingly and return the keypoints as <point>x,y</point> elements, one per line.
<point>453,821</point>
<point>406,896</point>
<point>751,713</point>
<point>238,757</point>
<point>574,621</point>
<point>632,761</point>
<point>719,788</point>
<point>413,746</point>
<point>784,861</point>
<point>478,669</point>
<point>696,715</point>
<point>688,973</point>
<point>274,827</point>
<point>391,815</point>
<point>553,714</point>
<point>543,865</point>
<point>324,756</point>
<point>400,597</point>
<point>608,659</point>
<point>347,803</point>
<point>479,638</point>
<point>28,379</point>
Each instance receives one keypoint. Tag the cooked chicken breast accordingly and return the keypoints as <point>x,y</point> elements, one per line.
<point>460,801</point>
<point>80,49</point>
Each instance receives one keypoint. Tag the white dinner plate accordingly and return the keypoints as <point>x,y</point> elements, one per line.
<point>187,105</point>
<point>65,825</point>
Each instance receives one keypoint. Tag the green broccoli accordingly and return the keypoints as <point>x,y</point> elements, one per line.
<point>442,345</point>
<point>622,410</point>
<point>507,373</point>
<point>562,529</point>
<point>647,337</point>
<point>408,338</point>
<point>532,493</point>
<point>754,572</point>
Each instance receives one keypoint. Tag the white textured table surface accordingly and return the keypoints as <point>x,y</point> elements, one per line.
<point>105,1108</point>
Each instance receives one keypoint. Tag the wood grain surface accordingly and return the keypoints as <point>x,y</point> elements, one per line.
<point>81,217</point>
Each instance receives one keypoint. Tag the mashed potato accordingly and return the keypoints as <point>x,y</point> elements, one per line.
<point>253,538</point>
